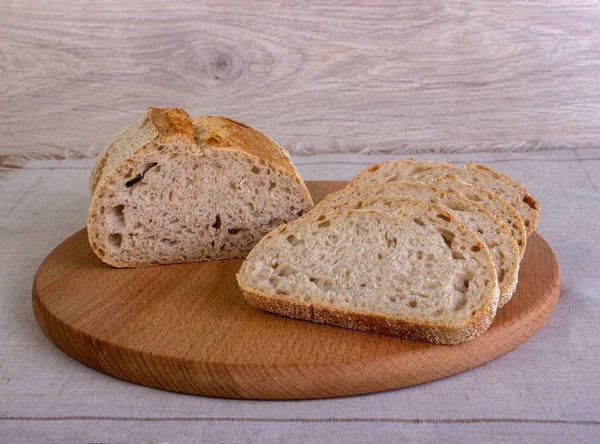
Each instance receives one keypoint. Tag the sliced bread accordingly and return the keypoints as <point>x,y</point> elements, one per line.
<point>436,174</point>
<point>407,169</point>
<point>172,189</point>
<point>505,187</point>
<point>394,274</point>
<point>491,201</point>
<point>473,173</point>
<point>493,232</point>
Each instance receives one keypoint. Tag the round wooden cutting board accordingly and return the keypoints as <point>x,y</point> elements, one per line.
<point>187,328</point>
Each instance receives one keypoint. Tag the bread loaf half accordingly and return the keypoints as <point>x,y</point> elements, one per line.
<point>172,189</point>
<point>417,274</point>
<point>473,173</point>
<point>493,232</point>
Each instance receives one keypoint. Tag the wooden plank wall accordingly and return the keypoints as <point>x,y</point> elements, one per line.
<point>406,76</point>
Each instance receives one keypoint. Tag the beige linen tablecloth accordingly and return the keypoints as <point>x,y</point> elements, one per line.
<point>547,390</point>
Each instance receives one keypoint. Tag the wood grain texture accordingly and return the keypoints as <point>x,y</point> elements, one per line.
<point>187,328</point>
<point>340,76</point>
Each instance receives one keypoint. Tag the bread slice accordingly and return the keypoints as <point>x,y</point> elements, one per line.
<point>172,189</point>
<point>436,174</point>
<point>417,274</point>
<point>505,187</point>
<point>493,232</point>
<point>407,169</point>
<point>490,201</point>
<point>473,173</point>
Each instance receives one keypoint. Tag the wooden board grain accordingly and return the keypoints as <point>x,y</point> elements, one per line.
<point>187,328</point>
<point>317,77</point>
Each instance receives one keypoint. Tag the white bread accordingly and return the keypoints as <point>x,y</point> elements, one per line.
<point>417,274</point>
<point>473,173</point>
<point>493,232</point>
<point>171,189</point>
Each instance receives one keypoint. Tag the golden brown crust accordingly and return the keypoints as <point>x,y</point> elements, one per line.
<point>221,132</point>
<point>170,121</point>
<point>437,333</point>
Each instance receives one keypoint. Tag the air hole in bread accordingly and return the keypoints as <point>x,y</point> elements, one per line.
<point>321,217</point>
<point>476,248</point>
<point>274,223</point>
<point>501,274</point>
<point>391,241</point>
<point>235,231</point>
<point>137,226</point>
<point>447,235</point>
<point>379,256</point>
<point>412,303</point>
<point>323,284</point>
<point>117,217</point>
<point>272,185</point>
<point>444,217</point>
<point>101,252</point>
<point>286,271</point>
<point>256,170</point>
<point>217,223</point>
<point>419,255</point>
<point>479,230</point>
<point>527,223</point>
<point>530,201</point>
<point>139,177</point>
<point>168,242</point>
<point>458,255</point>
<point>324,224</point>
<point>418,221</point>
<point>102,209</point>
<point>281,292</point>
<point>293,240</point>
<point>460,303</point>
<point>456,206</point>
<point>115,240</point>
